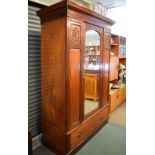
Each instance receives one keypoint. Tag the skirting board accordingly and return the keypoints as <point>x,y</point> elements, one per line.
<point>36,141</point>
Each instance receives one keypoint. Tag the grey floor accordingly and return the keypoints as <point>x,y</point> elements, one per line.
<point>110,140</point>
<point>118,116</point>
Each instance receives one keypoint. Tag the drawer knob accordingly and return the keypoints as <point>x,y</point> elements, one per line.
<point>80,135</point>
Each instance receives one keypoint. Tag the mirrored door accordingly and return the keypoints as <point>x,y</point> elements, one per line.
<point>92,58</point>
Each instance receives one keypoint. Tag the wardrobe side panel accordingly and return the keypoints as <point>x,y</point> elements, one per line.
<point>53,82</point>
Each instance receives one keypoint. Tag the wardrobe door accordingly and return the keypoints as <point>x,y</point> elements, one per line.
<point>92,70</point>
<point>74,71</point>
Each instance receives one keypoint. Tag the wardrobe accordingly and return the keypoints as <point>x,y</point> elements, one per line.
<point>75,54</point>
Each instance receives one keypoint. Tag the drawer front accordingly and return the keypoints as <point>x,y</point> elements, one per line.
<point>114,100</point>
<point>87,128</point>
<point>122,95</point>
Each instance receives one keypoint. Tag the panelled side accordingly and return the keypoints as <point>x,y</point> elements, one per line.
<point>74,86</point>
<point>74,72</point>
<point>106,68</point>
<point>53,82</point>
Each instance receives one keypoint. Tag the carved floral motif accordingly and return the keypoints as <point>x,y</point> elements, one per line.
<point>75,34</point>
<point>107,41</point>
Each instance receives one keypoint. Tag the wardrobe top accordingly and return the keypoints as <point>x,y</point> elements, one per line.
<point>66,8</point>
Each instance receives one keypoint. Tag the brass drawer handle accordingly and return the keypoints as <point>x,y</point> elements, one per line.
<point>80,135</point>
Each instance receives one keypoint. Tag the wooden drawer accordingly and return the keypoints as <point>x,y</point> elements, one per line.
<point>117,97</point>
<point>122,94</point>
<point>114,100</point>
<point>87,128</point>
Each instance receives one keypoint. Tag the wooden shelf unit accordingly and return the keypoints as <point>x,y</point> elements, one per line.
<point>114,59</point>
<point>94,57</point>
<point>118,47</point>
<point>122,47</point>
<point>117,42</point>
<point>114,44</point>
<point>117,97</point>
<point>114,62</point>
<point>122,57</point>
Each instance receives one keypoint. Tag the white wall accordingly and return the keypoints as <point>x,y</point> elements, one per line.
<point>118,14</point>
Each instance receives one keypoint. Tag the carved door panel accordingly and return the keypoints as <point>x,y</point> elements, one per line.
<point>74,70</point>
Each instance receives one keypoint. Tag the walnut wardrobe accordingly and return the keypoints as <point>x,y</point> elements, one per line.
<point>75,53</point>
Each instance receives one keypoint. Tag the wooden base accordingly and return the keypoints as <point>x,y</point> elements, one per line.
<point>78,136</point>
<point>78,147</point>
<point>86,140</point>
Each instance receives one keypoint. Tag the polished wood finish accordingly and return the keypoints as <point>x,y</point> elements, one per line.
<point>64,124</point>
<point>53,137</point>
<point>105,82</point>
<point>106,66</point>
<point>88,138</point>
<point>79,134</point>
<point>122,60</point>
<point>114,62</point>
<point>117,97</point>
<point>74,45</point>
<point>114,59</point>
<point>74,87</point>
<point>53,82</point>
<point>123,94</point>
<point>71,9</point>
<point>114,100</point>
<point>115,44</point>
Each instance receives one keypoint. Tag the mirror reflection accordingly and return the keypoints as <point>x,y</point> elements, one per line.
<point>91,71</point>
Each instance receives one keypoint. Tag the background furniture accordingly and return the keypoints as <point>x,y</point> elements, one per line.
<point>114,63</point>
<point>117,97</point>
<point>118,49</point>
<point>90,86</point>
<point>65,126</point>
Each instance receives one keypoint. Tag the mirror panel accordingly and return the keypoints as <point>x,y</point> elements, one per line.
<point>91,71</point>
